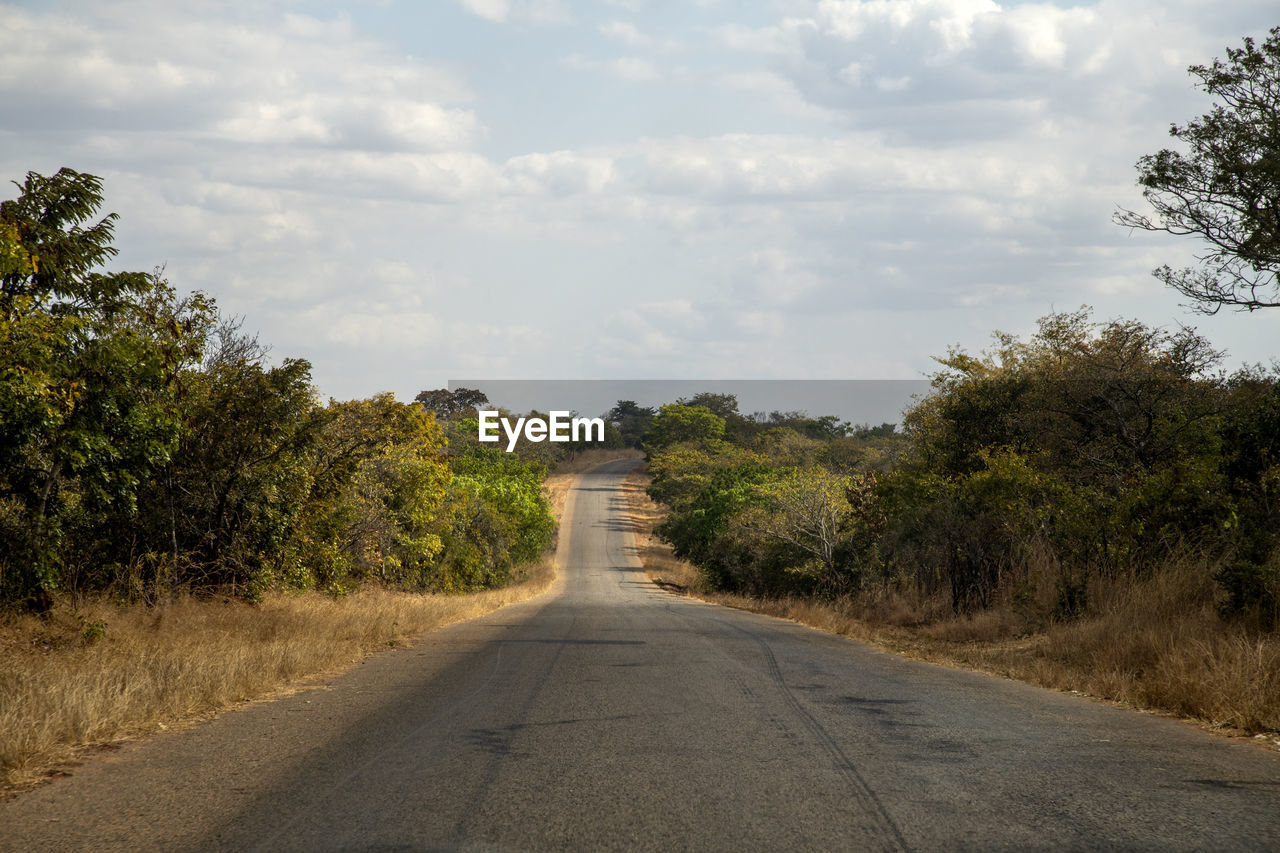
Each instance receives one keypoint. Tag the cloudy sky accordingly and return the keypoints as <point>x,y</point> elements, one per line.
<point>404,193</point>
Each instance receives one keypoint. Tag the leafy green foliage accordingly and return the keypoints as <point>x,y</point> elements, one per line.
<point>89,375</point>
<point>1088,450</point>
<point>759,512</point>
<point>807,510</point>
<point>378,477</point>
<point>446,404</point>
<point>496,518</point>
<point>680,424</point>
<point>631,420</point>
<point>146,444</point>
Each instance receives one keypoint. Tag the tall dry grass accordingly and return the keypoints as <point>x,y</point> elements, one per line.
<point>105,672</point>
<point>1154,643</point>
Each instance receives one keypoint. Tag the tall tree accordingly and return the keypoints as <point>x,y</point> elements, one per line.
<point>808,509</point>
<point>89,365</point>
<point>1226,188</point>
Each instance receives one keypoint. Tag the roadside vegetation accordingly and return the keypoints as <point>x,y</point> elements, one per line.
<point>92,675</point>
<point>147,445</point>
<point>186,524</point>
<point>1161,645</point>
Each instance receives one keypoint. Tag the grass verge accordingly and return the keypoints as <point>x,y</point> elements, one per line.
<point>106,672</point>
<point>1154,645</point>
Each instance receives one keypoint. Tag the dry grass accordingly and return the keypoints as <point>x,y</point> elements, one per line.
<point>1159,644</point>
<point>1154,644</point>
<point>662,566</point>
<point>105,672</point>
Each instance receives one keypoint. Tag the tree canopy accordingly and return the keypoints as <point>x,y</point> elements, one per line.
<point>1226,188</point>
<point>90,363</point>
<point>147,445</point>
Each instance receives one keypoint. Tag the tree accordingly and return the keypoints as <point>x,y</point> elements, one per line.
<point>448,404</point>
<point>1226,189</point>
<point>721,405</point>
<point>89,370</point>
<point>676,424</point>
<point>378,476</point>
<point>15,259</point>
<point>494,518</point>
<point>808,509</point>
<point>632,420</point>
<point>240,475</point>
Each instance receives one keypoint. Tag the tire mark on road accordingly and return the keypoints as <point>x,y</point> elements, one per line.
<point>879,820</point>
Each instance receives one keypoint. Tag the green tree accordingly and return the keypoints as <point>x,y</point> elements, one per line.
<point>677,424</point>
<point>1096,444</point>
<point>808,509</point>
<point>240,478</point>
<point>495,518</point>
<point>90,364</point>
<point>722,405</point>
<point>15,259</point>
<point>1226,188</point>
<point>378,478</point>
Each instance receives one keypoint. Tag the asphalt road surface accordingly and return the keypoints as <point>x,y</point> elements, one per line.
<point>607,714</point>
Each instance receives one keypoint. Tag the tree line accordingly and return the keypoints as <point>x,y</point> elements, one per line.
<point>148,444</point>
<point>1087,450</point>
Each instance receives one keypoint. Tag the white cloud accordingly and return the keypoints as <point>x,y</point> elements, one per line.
<point>348,121</point>
<point>779,276</point>
<point>1043,34</point>
<point>490,10</point>
<point>951,21</point>
<point>561,173</point>
<point>307,81</point>
<point>625,32</point>
<point>783,38</point>
<point>740,167</point>
<point>630,68</point>
<point>875,59</point>
<point>538,12</point>
<point>781,92</point>
<point>893,84</point>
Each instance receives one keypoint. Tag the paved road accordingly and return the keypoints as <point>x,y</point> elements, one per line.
<point>607,714</point>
